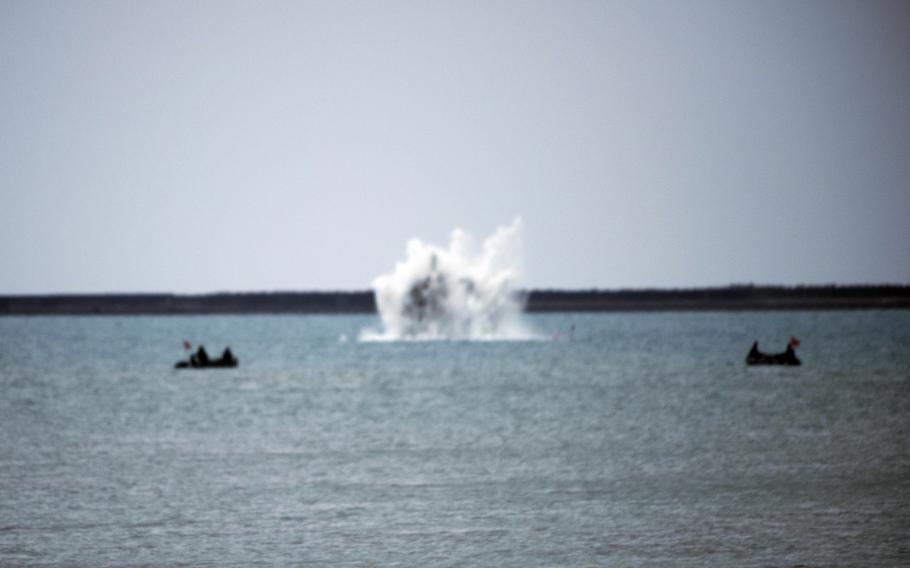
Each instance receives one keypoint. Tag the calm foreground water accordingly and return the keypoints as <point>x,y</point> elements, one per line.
<point>644,441</point>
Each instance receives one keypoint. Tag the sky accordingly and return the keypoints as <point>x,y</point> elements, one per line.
<point>208,146</point>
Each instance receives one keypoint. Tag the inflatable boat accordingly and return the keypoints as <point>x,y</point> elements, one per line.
<point>200,360</point>
<point>788,357</point>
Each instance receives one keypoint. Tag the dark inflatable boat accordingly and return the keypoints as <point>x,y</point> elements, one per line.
<point>788,357</point>
<point>200,360</point>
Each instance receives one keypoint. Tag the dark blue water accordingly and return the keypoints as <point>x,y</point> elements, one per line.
<point>643,441</point>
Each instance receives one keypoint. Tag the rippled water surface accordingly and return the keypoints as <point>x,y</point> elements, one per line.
<point>643,441</point>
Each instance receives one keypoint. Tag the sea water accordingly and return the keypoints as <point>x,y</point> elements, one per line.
<point>637,439</point>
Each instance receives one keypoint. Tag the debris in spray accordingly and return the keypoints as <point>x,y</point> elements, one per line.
<point>453,293</point>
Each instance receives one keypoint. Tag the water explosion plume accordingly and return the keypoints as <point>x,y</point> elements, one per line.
<point>453,293</point>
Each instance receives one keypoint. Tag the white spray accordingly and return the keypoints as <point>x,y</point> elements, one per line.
<point>454,293</point>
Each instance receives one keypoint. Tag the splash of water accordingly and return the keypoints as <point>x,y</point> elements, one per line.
<point>454,293</point>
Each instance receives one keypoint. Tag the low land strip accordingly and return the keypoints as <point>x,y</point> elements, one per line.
<point>695,299</point>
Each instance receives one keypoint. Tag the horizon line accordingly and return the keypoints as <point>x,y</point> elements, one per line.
<point>525,289</point>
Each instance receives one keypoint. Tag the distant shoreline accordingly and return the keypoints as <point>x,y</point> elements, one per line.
<point>730,298</point>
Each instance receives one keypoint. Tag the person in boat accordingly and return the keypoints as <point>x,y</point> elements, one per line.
<point>202,358</point>
<point>227,358</point>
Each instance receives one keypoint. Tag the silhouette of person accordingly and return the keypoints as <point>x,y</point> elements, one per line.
<point>202,358</point>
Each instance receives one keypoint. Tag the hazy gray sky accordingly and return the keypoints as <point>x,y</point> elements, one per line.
<point>203,146</point>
